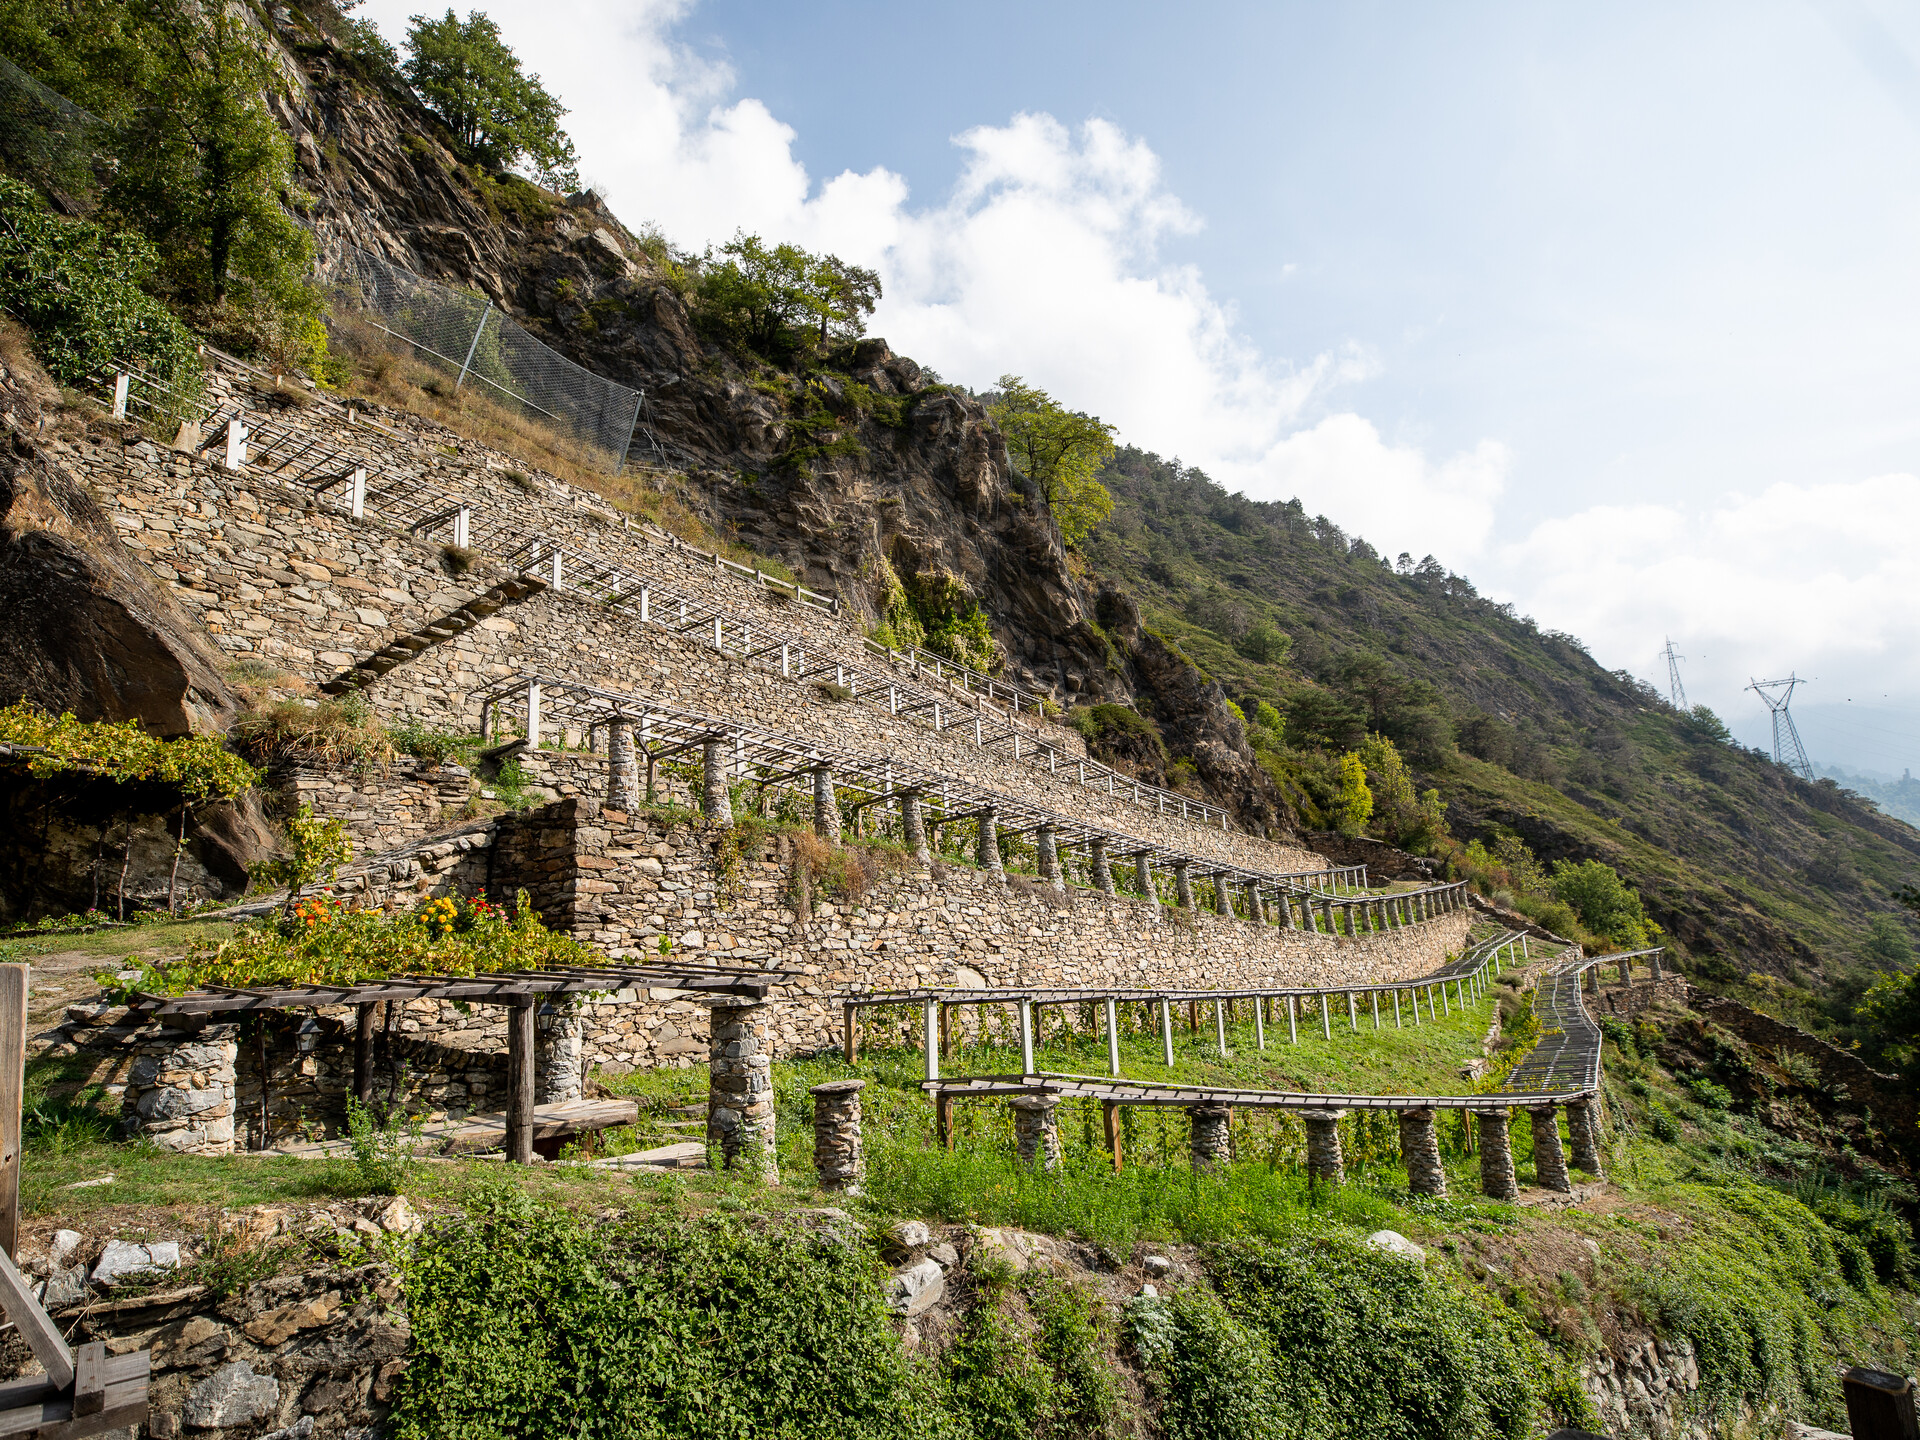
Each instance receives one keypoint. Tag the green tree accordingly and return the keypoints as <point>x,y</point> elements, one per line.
<point>1353,804</point>
<point>1887,944</point>
<point>1060,451</point>
<point>500,115</point>
<point>1888,1017</point>
<point>320,847</point>
<point>1603,901</point>
<point>781,301</point>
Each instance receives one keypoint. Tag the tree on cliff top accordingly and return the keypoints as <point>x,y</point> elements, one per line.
<point>1058,449</point>
<point>781,301</point>
<point>498,113</point>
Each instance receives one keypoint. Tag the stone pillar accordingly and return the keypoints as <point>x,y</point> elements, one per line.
<point>1256,907</point>
<point>836,1135</point>
<point>1047,857</point>
<point>988,848</point>
<point>913,829</point>
<point>1102,869</point>
<point>1210,1138</point>
<point>740,1089</point>
<point>1183,885</point>
<point>623,768</point>
<point>1496,1155</point>
<point>715,803</point>
<point>1583,1121</point>
<point>1324,1161</point>
<point>1222,895</point>
<point>1143,877</point>
<point>826,807</point>
<point>1286,910</point>
<point>1420,1148</point>
<point>1653,962</point>
<point>1035,1132</point>
<point>1549,1160</point>
<point>181,1088</point>
<point>556,1052</point>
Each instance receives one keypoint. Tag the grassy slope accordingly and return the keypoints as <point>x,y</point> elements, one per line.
<point>1736,858</point>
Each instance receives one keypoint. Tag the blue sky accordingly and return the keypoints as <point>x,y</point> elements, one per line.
<point>1612,308</point>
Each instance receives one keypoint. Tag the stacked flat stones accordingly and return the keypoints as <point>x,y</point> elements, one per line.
<point>1325,1163</point>
<point>1036,1135</point>
<point>836,1135</point>
<point>740,1114</point>
<point>1211,1136</point>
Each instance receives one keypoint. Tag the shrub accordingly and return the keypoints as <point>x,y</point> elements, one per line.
<point>77,287</point>
<point>333,732</point>
<point>383,1154</point>
<point>1354,803</point>
<point>1602,900</point>
<point>201,765</point>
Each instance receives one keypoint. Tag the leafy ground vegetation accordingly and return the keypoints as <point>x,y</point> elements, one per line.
<point>1746,1215</point>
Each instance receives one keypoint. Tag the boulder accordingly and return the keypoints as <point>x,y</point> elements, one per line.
<point>123,1259</point>
<point>911,1235</point>
<point>1157,1266</point>
<point>232,1395</point>
<point>1394,1243</point>
<point>916,1290</point>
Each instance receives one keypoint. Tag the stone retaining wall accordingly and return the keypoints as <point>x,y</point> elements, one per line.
<point>384,807</point>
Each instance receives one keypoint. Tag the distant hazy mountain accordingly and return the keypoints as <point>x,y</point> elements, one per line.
<point>1898,798</point>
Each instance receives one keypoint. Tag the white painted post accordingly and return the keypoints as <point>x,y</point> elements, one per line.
<point>1375,994</point>
<point>557,572</point>
<point>1326,1018</point>
<point>357,493</point>
<point>1220,1026</point>
<point>1166,1030</point>
<point>1026,1037</point>
<point>936,717</point>
<point>1113,1039</point>
<point>236,444</point>
<point>462,523</point>
<point>931,1030</point>
<point>786,663</point>
<point>1523,946</point>
<point>1260,1021</point>
<point>1398,1023</point>
<point>893,698</point>
<point>533,715</point>
<point>976,727</point>
<point>646,605</point>
<point>1353,1014</point>
<point>120,384</point>
<point>1293,1022</point>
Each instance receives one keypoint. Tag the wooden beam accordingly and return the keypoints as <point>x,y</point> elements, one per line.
<point>13,1065</point>
<point>36,1407</point>
<point>39,1331</point>
<point>1110,1115</point>
<point>521,1065</point>
<point>363,1053</point>
<point>90,1379</point>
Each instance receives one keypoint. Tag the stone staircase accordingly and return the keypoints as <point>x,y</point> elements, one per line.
<point>434,632</point>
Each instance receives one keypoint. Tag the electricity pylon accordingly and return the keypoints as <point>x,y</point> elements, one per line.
<point>1788,752</point>
<point>1676,692</point>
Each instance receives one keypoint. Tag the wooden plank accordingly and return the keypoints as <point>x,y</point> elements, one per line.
<point>363,1053</point>
<point>90,1379</point>
<point>13,1065</point>
<point>40,1333</point>
<point>34,1407</point>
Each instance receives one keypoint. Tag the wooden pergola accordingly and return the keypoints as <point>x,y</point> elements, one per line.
<point>520,991</point>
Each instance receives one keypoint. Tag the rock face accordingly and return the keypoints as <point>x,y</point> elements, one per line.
<point>88,629</point>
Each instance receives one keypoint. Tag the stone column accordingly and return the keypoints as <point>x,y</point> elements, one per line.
<point>1324,1161</point>
<point>1583,1121</point>
<point>1035,1132</point>
<point>1143,877</point>
<point>1102,870</point>
<point>180,1091</point>
<point>1047,857</point>
<point>556,1051</point>
<point>826,807</point>
<point>987,849</point>
<point>1256,907</point>
<point>1210,1138</point>
<point>1222,895</point>
<point>1420,1148</point>
<point>715,802</point>
<point>623,769</point>
<point>1183,885</point>
<point>1549,1160</point>
<point>836,1135</point>
<point>913,829</point>
<point>1653,962</point>
<point>740,1089</point>
<point>1496,1155</point>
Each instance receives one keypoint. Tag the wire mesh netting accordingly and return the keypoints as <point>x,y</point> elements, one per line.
<point>44,137</point>
<point>479,345</point>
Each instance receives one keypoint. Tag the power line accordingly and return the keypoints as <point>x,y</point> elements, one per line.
<point>1676,692</point>
<point>1788,752</point>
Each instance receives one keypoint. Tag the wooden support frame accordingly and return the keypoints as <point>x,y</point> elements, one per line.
<point>522,1062</point>
<point>13,1074</point>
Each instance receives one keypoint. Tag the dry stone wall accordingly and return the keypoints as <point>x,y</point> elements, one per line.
<point>627,883</point>
<point>312,592</point>
<point>384,807</point>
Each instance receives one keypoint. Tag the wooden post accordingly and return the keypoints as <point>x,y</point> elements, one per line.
<point>943,1114</point>
<point>363,1053</point>
<point>1110,1117</point>
<point>520,1080</point>
<point>260,1060</point>
<point>40,1333</point>
<point>850,1041</point>
<point>13,1077</point>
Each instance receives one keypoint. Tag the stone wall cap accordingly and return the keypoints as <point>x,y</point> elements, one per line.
<point>838,1087</point>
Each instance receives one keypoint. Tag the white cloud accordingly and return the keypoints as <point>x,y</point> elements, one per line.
<point>1817,578</point>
